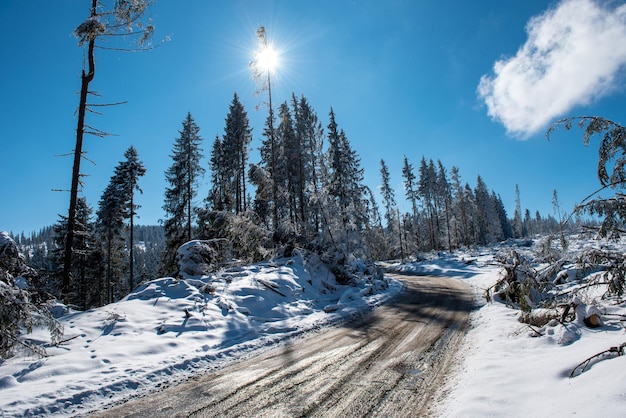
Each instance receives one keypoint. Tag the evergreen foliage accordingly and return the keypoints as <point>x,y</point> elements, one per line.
<point>229,159</point>
<point>130,171</point>
<point>117,205</point>
<point>183,177</point>
<point>86,264</point>
<point>23,305</point>
<point>309,192</point>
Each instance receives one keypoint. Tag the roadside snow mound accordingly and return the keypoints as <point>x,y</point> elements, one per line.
<point>558,362</point>
<point>170,329</point>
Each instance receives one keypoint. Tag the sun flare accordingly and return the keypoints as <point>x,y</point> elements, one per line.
<point>267,58</point>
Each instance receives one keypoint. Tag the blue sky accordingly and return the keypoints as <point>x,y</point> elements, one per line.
<point>473,84</point>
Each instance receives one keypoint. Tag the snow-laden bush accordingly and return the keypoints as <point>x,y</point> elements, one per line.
<point>611,266</point>
<point>21,308</point>
<point>521,285</point>
<point>199,257</point>
<point>246,239</point>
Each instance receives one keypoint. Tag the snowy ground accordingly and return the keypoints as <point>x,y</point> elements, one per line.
<point>504,369</point>
<point>168,330</point>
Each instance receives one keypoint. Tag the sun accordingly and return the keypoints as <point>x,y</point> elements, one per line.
<point>267,58</point>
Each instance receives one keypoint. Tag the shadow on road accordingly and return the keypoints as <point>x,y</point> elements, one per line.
<point>424,299</point>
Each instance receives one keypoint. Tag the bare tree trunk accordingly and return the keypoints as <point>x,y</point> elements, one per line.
<point>273,152</point>
<point>131,260</point>
<point>78,151</point>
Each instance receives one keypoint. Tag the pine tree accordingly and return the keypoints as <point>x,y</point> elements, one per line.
<point>426,189</point>
<point>461,208</point>
<point>391,208</point>
<point>129,172</point>
<point>444,195</point>
<point>344,183</point>
<point>286,174</point>
<point>376,245</point>
<point>84,270</point>
<point>528,224</point>
<point>183,177</point>
<point>388,195</point>
<point>506,230</point>
<point>310,137</point>
<point>518,224</point>
<point>111,214</point>
<point>217,200</point>
<point>269,167</point>
<point>412,196</point>
<point>484,212</point>
<point>473,218</point>
<point>234,151</point>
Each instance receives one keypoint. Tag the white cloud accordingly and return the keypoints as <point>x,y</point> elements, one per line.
<point>572,57</point>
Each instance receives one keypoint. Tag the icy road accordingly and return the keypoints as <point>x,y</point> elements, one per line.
<point>390,362</point>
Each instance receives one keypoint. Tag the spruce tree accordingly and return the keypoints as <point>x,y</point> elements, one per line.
<point>391,208</point>
<point>427,190</point>
<point>310,139</point>
<point>111,214</point>
<point>267,175</point>
<point>345,187</point>
<point>484,212</point>
<point>518,224</point>
<point>129,172</point>
<point>445,198</point>
<point>461,208</point>
<point>287,170</point>
<point>412,196</point>
<point>234,156</point>
<point>217,200</point>
<point>388,195</point>
<point>183,177</point>
<point>85,264</point>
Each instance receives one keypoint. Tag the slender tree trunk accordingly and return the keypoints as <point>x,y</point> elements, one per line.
<point>303,214</point>
<point>400,235</point>
<point>109,269</point>
<point>189,181</point>
<point>273,151</point>
<point>78,151</point>
<point>131,260</point>
<point>243,179</point>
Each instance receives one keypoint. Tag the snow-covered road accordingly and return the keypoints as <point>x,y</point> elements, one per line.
<point>389,362</point>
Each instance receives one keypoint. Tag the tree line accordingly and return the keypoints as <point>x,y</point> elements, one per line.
<point>306,191</point>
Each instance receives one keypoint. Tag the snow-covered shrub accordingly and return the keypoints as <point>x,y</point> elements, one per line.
<point>199,257</point>
<point>21,308</point>
<point>611,265</point>
<point>246,238</point>
<point>546,249</point>
<point>519,286</point>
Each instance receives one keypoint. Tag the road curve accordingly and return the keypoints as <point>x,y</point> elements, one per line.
<point>390,362</point>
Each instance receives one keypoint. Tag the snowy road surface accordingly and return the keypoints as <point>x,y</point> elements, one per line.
<point>391,362</point>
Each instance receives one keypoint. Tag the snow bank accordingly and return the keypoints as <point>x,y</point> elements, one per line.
<point>506,369</point>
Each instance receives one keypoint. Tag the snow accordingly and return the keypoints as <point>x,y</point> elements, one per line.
<point>504,369</point>
<point>169,329</point>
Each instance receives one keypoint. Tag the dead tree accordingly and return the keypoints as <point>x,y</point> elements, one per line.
<point>124,17</point>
